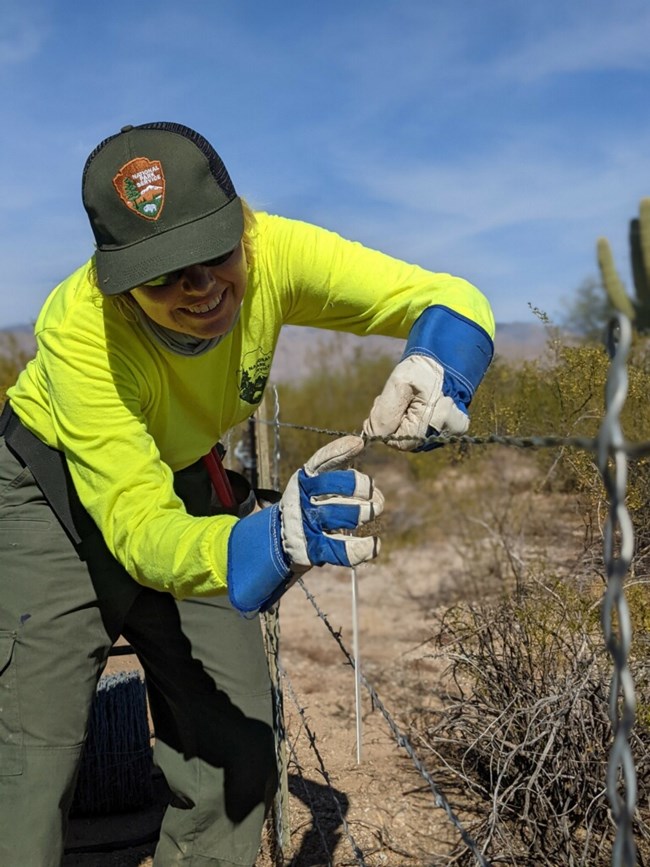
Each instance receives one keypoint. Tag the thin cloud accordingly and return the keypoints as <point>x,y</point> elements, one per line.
<point>612,37</point>
<point>23,32</point>
<point>502,186</point>
<point>437,54</point>
<point>520,222</point>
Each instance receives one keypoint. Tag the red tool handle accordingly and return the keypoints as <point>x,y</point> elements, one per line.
<point>219,479</point>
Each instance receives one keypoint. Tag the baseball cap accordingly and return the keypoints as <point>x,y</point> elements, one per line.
<point>158,198</point>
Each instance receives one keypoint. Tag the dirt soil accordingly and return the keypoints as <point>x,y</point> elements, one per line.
<point>391,815</point>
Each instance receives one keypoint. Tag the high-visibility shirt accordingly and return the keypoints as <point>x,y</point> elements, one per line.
<point>127,412</point>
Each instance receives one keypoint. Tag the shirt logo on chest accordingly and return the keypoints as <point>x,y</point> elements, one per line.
<point>253,375</point>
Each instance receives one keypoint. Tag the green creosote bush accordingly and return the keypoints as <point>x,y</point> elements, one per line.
<point>565,397</point>
<point>334,394</point>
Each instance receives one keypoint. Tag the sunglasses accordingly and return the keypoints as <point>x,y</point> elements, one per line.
<point>175,276</point>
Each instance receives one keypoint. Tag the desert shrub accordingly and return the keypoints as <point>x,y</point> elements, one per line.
<point>524,732</point>
<point>565,397</point>
<point>14,355</point>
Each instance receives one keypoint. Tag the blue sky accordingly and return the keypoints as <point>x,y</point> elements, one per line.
<point>494,139</point>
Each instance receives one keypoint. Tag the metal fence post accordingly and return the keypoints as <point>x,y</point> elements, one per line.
<point>271,620</point>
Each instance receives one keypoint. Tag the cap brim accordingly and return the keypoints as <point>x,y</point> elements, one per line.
<point>206,238</point>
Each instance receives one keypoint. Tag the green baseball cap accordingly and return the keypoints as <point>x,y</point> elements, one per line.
<point>158,198</point>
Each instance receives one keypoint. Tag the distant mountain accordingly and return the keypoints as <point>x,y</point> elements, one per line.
<point>302,350</point>
<point>519,341</point>
<point>17,329</point>
<point>19,337</point>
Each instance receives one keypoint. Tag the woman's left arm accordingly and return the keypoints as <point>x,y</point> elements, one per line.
<point>448,323</point>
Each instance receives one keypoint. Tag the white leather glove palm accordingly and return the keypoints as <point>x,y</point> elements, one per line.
<point>429,391</point>
<point>412,405</point>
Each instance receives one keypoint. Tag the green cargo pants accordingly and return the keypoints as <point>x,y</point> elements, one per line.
<point>206,674</point>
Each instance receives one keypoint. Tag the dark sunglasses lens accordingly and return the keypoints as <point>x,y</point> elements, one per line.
<point>174,276</point>
<point>164,279</point>
<point>219,260</point>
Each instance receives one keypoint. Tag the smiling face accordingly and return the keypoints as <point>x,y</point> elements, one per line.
<point>200,300</point>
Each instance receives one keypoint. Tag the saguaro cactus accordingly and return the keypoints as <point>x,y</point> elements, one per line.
<point>637,308</point>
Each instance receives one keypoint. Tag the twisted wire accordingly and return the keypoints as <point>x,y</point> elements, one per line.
<point>615,615</point>
<point>275,475</point>
<point>631,450</point>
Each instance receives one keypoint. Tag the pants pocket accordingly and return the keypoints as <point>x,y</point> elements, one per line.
<point>11,737</point>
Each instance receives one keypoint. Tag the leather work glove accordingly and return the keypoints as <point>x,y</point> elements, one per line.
<point>429,391</point>
<point>322,503</point>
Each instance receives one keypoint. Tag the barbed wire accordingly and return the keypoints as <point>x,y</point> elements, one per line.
<point>630,449</point>
<point>402,740</point>
<point>311,736</point>
<point>610,447</point>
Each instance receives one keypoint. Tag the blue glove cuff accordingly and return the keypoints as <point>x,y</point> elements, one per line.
<point>258,568</point>
<point>460,346</point>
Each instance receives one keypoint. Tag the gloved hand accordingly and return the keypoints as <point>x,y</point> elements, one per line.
<point>429,391</point>
<point>268,548</point>
<point>412,405</point>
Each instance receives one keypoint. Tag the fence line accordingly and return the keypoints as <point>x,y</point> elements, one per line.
<point>610,447</point>
<point>358,854</point>
<point>401,739</point>
<point>591,444</point>
<point>281,839</point>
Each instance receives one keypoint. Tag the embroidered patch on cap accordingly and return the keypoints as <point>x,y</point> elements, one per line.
<point>140,184</point>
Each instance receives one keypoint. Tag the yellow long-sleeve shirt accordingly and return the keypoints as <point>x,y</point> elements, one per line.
<point>127,413</point>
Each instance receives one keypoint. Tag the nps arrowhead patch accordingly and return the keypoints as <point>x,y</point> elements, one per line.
<point>140,184</point>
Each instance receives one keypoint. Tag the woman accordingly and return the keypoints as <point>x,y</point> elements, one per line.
<point>146,355</point>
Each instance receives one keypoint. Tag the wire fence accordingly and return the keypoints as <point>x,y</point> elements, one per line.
<point>612,452</point>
